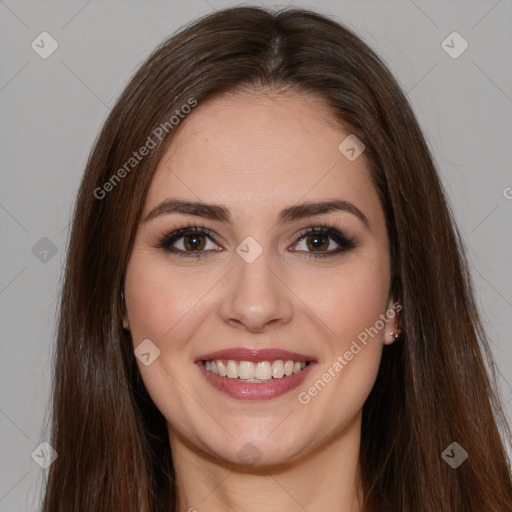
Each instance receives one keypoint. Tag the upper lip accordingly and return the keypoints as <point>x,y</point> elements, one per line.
<point>247,354</point>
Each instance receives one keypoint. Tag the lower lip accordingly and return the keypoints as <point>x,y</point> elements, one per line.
<point>241,390</point>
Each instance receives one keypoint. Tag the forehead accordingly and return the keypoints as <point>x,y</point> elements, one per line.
<point>260,153</point>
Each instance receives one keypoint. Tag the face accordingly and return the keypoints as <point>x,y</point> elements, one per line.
<point>243,288</point>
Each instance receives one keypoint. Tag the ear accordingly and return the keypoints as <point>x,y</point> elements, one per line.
<point>126,322</point>
<point>392,330</point>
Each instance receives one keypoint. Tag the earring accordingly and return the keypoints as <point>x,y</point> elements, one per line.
<point>395,334</point>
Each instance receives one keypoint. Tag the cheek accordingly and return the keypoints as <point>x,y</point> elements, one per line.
<point>158,300</point>
<point>353,309</point>
<point>353,301</point>
<point>161,308</point>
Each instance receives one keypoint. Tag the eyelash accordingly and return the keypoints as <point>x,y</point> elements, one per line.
<point>166,239</point>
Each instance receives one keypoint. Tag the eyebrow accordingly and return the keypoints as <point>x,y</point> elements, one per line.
<point>221,213</point>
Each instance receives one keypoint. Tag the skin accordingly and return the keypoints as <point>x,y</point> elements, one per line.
<point>257,154</point>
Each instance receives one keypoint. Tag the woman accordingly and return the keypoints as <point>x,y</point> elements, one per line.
<point>266,303</point>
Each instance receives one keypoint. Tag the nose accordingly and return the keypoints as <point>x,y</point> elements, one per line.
<point>256,296</point>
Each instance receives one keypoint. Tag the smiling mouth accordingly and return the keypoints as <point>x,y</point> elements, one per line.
<point>254,372</point>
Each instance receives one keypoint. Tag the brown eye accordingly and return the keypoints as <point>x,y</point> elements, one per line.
<point>190,241</point>
<point>194,242</point>
<point>320,242</point>
<point>317,242</point>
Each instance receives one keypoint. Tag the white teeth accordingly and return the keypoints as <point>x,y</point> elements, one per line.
<point>288,368</point>
<point>254,372</point>
<point>246,370</point>
<point>221,367</point>
<point>232,370</point>
<point>263,371</point>
<point>278,369</point>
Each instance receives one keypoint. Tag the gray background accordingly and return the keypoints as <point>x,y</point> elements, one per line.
<point>52,109</point>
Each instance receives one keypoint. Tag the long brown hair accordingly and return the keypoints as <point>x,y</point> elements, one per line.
<point>436,384</point>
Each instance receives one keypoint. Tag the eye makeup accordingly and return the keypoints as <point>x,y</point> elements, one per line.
<point>166,240</point>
